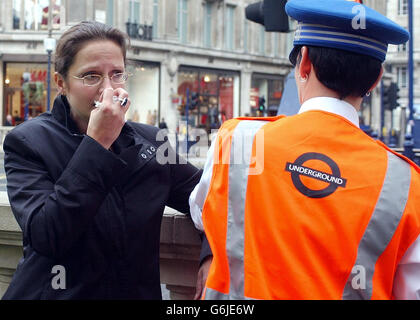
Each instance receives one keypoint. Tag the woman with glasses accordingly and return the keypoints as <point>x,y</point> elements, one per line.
<point>86,186</point>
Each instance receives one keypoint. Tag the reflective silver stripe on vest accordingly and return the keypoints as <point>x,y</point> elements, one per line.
<point>240,155</point>
<point>381,228</point>
<point>212,294</point>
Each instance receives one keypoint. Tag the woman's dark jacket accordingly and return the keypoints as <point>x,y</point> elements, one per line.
<point>94,212</point>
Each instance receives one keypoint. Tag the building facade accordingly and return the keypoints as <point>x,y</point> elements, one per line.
<point>204,49</point>
<point>179,48</point>
<point>397,67</point>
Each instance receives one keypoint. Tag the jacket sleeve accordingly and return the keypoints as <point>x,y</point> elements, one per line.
<point>184,178</point>
<point>54,214</point>
<point>205,249</point>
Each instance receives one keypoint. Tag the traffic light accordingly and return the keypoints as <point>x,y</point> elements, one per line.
<point>390,96</point>
<point>261,104</point>
<point>386,99</point>
<point>194,100</point>
<point>269,13</point>
<point>393,90</point>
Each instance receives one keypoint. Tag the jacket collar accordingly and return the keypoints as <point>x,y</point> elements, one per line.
<point>61,112</point>
<point>130,146</point>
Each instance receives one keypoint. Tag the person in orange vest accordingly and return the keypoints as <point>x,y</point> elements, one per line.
<point>309,206</point>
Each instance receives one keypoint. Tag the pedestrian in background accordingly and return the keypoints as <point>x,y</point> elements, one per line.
<point>313,208</point>
<point>9,120</point>
<point>85,186</point>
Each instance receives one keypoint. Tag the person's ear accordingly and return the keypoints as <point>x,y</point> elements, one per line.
<point>377,80</point>
<point>60,83</point>
<point>305,65</point>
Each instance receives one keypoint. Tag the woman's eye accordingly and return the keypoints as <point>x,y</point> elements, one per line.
<point>91,76</point>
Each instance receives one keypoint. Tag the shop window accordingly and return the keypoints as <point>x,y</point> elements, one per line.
<point>188,84</point>
<point>226,97</point>
<point>26,90</point>
<point>266,92</point>
<point>33,14</point>
<point>213,97</point>
<point>143,87</point>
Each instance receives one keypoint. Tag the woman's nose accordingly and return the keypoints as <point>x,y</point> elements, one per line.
<point>106,83</point>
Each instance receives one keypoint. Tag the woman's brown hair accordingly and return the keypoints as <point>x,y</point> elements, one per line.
<point>74,38</point>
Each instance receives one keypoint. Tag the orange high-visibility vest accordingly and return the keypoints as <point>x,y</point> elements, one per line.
<point>307,207</point>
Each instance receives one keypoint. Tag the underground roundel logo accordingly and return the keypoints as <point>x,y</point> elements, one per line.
<point>334,179</point>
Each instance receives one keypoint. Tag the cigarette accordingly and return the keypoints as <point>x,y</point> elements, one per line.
<point>123,101</point>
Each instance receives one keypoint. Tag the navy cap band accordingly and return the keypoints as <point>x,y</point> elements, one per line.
<point>327,36</point>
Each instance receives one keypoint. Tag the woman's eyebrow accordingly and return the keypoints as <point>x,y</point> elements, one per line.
<point>95,68</point>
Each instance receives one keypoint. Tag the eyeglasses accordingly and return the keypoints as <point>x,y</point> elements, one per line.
<point>91,80</point>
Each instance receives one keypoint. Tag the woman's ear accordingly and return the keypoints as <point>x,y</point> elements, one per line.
<point>60,83</point>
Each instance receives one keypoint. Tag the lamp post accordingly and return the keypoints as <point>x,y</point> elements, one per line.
<point>187,106</point>
<point>49,45</point>
<point>410,62</point>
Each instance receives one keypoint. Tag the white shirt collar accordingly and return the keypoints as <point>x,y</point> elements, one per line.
<point>332,105</point>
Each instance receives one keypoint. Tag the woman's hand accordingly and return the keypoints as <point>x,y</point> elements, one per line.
<point>203,273</point>
<point>106,121</point>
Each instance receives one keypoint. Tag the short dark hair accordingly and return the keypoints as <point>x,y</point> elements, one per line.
<point>74,38</point>
<point>345,72</point>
